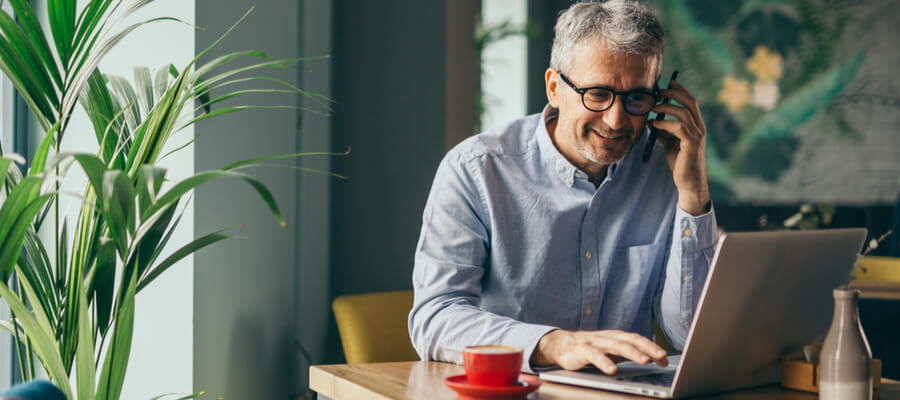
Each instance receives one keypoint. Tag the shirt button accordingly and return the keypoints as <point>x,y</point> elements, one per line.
<point>587,255</point>
<point>595,201</point>
<point>568,181</point>
<point>578,174</point>
<point>587,311</point>
<point>688,232</point>
<point>687,279</point>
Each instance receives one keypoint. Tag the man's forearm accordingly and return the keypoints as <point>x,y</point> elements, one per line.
<point>442,327</point>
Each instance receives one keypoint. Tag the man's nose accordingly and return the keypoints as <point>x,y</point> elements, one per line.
<point>615,116</point>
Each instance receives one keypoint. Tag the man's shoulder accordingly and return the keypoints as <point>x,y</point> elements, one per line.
<point>511,140</point>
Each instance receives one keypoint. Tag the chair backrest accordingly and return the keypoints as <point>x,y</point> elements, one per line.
<point>373,327</point>
<point>885,269</point>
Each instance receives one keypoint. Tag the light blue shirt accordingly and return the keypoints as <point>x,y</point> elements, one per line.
<point>516,242</point>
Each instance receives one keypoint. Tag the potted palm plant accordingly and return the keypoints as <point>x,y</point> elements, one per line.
<point>72,297</point>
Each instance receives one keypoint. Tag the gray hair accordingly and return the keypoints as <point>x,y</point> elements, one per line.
<point>624,25</point>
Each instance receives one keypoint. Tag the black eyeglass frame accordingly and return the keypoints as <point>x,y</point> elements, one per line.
<point>657,96</point>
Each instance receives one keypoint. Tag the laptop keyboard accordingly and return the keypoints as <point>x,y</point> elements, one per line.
<point>658,379</point>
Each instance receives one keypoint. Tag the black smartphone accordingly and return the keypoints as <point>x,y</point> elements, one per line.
<point>654,133</point>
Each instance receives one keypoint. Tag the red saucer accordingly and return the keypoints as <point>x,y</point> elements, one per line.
<point>461,385</point>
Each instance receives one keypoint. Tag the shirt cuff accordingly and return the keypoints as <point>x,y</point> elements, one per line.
<point>527,337</point>
<point>697,232</point>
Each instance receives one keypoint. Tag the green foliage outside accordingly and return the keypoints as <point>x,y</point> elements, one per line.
<point>766,68</point>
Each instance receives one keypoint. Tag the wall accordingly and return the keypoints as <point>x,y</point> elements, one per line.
<point>313,317</point>
<point>390,67</point>
<point>244,290</point>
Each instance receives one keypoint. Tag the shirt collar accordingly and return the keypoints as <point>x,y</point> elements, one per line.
<point>556,163</point>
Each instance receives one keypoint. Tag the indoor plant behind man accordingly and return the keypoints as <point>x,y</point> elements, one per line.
<point>551,233</point>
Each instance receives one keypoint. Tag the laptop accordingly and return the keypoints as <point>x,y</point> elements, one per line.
<point>767,294</point>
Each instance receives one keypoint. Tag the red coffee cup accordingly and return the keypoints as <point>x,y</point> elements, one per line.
<point>492,365</point>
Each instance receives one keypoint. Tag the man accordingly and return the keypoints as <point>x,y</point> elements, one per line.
<point>551,234</point>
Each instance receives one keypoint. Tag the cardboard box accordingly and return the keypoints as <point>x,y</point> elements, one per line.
<point>802,375</point>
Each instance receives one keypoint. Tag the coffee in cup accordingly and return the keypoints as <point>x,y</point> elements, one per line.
<point>492,365</point>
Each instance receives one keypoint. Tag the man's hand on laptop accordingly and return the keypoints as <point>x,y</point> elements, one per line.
<point>602,349</point>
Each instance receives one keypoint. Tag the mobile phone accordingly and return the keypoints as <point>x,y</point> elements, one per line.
<point>654,133</point>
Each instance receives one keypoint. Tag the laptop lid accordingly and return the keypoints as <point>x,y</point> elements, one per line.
<point>767,295</point>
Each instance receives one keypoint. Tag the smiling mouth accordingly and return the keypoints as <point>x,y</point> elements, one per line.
<point>608,136</point>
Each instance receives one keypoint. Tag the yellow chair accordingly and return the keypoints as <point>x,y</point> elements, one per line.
<point>373,327</point>
<point>885,269</point>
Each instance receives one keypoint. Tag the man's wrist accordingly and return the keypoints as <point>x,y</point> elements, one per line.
<point>541,356</point>
<point>695,204</point>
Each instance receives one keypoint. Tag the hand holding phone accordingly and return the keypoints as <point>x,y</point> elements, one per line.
<point>654,133</point>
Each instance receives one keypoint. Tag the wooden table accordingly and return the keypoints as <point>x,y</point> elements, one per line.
<point>877,289</point>
<point>424,380</point>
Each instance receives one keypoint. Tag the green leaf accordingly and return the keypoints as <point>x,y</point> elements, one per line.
<point>321,100</point>
<point>103,282</point>
<point>87,22</point>
<point>84,70</point>
<point>144,84</point>
<point>117,202</point>
<point>40,334</point>
<point>104,115</point>
<point>21,206</point>
<point>25,49</point>
<point>184,397</point>
<point>184,251</point>
<point>61,14</point>
<point>238,164</point>
<point>29,263</point>
<point>224,97</point>
<point>112,375</point>
<point>39,263</point>
<point>147,236</point>
<point>27,17</point>
<point>40,157</point>
<point>93,167</point>
<point>229,110</point>
<point>84,357</point>
<point>25,82</point>
<point>5,162</point>
<point>189,184</point>
<point>127,99</point>
<point>224,59</point>
<point>161,80</point>
<point>149,180</point>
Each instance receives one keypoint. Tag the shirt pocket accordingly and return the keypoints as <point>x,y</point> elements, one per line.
<point>629,290</point>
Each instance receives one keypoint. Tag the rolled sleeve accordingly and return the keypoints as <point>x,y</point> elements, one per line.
<point>449,265</point>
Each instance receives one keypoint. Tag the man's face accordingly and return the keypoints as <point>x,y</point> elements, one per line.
<point>598,137</point>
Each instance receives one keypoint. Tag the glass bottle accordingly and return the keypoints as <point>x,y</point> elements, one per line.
<point>845,363</point>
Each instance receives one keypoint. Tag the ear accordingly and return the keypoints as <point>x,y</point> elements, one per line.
<point>551,84</point>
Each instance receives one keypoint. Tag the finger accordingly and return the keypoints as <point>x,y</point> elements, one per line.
<point>676,129</point>
<point>681,95</point>
<point>647,346</point>
<point>616,347</point>
<point>601,361</point>
<point>681,114</point>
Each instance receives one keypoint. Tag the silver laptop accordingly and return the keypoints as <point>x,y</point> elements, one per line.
<point>767,295</point>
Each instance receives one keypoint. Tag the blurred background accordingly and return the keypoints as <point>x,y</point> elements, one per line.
<point>800,99</point>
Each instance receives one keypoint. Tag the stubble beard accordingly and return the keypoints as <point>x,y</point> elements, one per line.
<point>582,146</point>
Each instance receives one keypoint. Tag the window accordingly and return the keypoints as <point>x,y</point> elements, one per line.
<point>7,112</point>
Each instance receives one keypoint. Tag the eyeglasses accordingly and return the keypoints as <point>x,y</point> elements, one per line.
<point>599,98</point>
